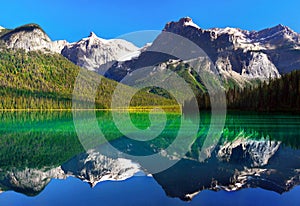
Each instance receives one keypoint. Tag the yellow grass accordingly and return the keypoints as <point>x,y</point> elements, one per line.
<point>169,108</point>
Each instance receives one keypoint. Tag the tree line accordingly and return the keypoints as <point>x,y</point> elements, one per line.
<point>281,94</point>
<point>35,80</point>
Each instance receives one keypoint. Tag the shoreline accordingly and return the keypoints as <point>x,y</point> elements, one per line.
<point>171,108</point>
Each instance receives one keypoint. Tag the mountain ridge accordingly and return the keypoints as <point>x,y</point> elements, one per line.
<point>91,52</point>
<point>273,42</point>
<point>241,57</point>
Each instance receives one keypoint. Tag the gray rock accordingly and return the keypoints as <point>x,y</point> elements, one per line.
<point>92,52</point>
<point>32,38</point>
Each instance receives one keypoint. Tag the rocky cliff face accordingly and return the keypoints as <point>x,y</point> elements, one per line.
<point>88,53</point>
<point>251,54</point>
<point>235,165</point>
<point>32,38</point>
<point>257,153</point>
<point>242,163</point>
<point>93,51</point>
<point>94,167</point>
<point>238,55</point>
<point>29,181</point>
<point>91,167</point>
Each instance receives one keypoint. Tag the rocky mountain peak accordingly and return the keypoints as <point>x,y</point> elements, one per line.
<point>92,52</point>
<point>237,53</point>
<point>277,29</point>
<point>93,167</point>
<point>181,24</point>
<point>244,54</point>
<point>94,39</point>
<point>185,19</point>
<point>1,28</point>
<point>31,37</point>
<point>92,35</point>
<point>32,30</point>
<point>278,36</point>
<point>282,27</point>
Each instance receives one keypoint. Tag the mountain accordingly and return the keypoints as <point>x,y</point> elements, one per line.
<point>281,94</point>
<point>35,75</point>
<point>29,181</point>
<point>90,167</point>
<point>241,47</point>
<point>276,37</point>
<point>241,57</point>
<point>37,80</point>
<point>31,37</point>
<point>2,30</point>
<point>237,164</point>
<point>93,51</point>
<point>237,172</point>
<point>247,155</point>
<point>90,52</point>
<point>93,167</point>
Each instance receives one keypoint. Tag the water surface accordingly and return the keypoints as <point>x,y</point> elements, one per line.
<point>42,162</point>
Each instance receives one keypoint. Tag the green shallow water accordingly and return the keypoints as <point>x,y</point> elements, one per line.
<point>35,139</point>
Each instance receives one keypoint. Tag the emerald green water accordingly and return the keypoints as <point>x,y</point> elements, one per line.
<point>48,140</point>
<point>34,139</point>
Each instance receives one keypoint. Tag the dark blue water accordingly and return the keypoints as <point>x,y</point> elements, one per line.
<point>142,190</point>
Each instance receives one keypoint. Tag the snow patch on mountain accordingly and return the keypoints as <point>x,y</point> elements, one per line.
<point>92,52</point>
<point>259,151</point>
<point>94,167</point>
<point>240,38</point>
<point>189,22</point>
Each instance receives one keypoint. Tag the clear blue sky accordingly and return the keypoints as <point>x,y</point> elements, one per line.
<point>74,19</point>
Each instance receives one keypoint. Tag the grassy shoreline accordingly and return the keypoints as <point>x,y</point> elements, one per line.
<point>173,108</point>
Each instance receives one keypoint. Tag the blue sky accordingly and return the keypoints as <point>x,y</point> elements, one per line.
<point>73,20</point>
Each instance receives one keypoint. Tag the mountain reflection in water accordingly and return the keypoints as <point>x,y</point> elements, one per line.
<point>254,151</point>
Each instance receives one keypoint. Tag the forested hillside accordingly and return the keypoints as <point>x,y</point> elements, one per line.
<point>35,80</point>
<point>282,94</point>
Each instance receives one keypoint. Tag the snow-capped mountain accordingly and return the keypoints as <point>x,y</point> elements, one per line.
<point>91,52</point>
<point>258,153</point>
<point>238,55</point>
<point>275,37</point>
<point>250,53</point>
<point>93,167</point>
<point>31,37</point>
<point>243,163</point>
<point>233,165</point>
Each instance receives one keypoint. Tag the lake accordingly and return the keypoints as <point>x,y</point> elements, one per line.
<point>58,158</point>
